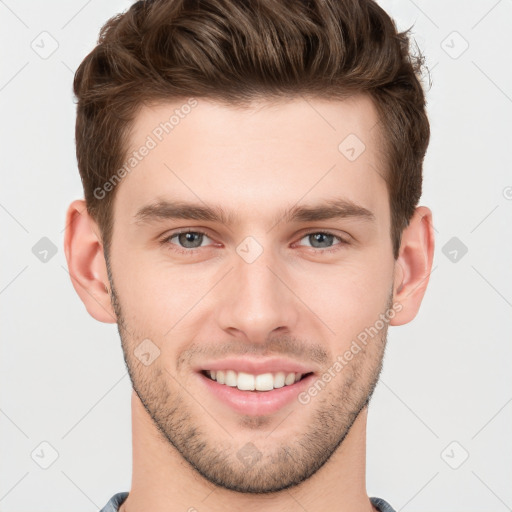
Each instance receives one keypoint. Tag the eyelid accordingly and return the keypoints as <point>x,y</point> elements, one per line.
<point>166,239</point>
<point>342,242</point>
<point>345,237</point>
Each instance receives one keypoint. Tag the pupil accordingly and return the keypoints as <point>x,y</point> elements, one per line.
<point>187,240</point>
<point>322,238</point>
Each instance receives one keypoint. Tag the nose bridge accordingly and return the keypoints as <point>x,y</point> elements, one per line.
<point>257,302</point>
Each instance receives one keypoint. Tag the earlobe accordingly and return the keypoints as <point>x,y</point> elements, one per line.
<point>86,262</point>
<point>414,265</point>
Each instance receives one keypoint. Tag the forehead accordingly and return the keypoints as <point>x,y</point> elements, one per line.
<point>255,158</point>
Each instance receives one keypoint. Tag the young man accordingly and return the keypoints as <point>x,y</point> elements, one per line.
<point>251,174</point>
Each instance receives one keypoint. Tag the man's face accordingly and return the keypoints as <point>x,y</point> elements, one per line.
<point>262,293</point>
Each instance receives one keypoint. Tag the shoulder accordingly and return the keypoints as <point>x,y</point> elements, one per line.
<point>115,502</point>
<point>382,505</point>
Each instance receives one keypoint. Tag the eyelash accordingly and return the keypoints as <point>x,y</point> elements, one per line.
<point>176,248</point>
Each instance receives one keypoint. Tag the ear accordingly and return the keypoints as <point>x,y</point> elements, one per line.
<point>413,265</point>
<point>86,262</point>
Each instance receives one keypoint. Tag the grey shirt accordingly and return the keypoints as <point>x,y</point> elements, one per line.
<point>116,501</point>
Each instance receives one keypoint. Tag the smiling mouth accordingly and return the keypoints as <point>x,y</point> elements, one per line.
<point>250,382</point>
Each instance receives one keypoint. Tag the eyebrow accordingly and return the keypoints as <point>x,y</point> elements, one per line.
<point>329,209</point>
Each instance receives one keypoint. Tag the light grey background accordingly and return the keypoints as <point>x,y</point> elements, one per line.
<point>446,388</point>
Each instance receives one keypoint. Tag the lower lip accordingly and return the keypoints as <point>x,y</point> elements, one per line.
<point>256,403</point>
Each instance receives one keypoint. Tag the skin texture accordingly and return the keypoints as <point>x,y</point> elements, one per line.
<point>295,300</point>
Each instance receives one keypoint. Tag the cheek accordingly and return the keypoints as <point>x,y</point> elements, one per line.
<point>349,297</point>
<point>156,294</point>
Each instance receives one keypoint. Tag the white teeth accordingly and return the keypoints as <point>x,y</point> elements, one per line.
<point>245,381</point>
<point>264,382</point>
<point>279,379</point>
<point>230,378</point>
<point>248,382</point>
<point>290,379</point>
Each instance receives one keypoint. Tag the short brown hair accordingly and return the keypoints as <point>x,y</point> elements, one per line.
<point>237,51</point>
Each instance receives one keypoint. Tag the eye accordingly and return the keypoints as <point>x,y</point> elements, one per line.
<point>189,241</point>
<point>321,240</point>
<point>186,241</point>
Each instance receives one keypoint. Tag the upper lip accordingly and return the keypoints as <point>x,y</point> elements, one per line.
<point>257,366</point>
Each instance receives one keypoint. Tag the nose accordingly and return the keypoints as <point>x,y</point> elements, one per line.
<point>257,300</point>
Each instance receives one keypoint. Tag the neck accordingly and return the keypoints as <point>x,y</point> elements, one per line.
<point>162,481</point>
